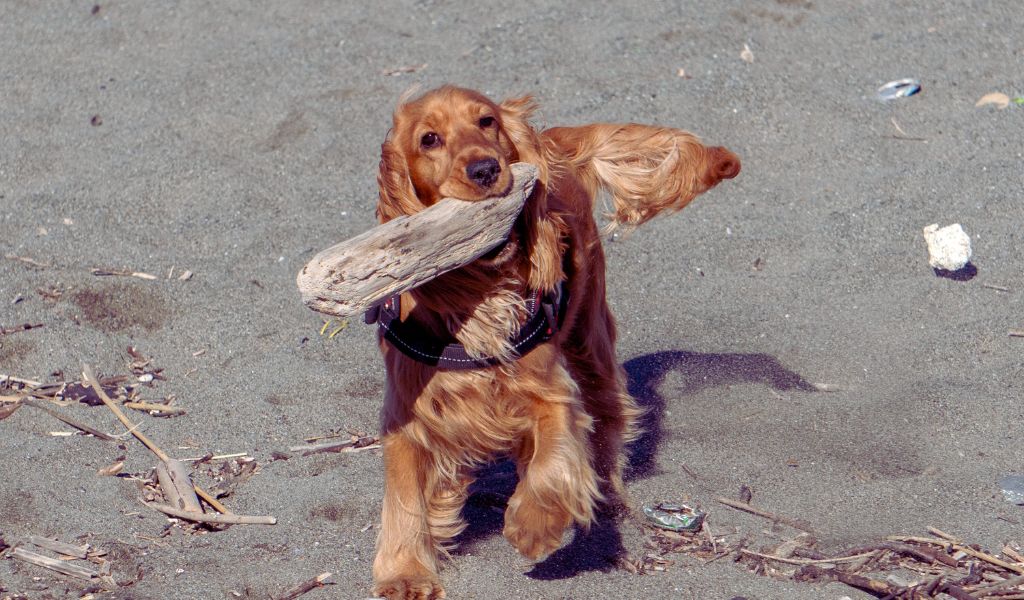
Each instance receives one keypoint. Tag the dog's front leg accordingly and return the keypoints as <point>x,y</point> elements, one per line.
<point>406,563</point>
<point>557,484</point>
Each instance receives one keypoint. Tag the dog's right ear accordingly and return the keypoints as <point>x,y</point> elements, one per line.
<point>397,195</point>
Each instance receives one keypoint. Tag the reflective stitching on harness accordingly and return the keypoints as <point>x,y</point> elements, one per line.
<point>536,306</point>
<point>394,337</point>
<point>531,336</point>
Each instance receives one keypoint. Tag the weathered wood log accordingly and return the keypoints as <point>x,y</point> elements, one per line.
<point>349,278</point>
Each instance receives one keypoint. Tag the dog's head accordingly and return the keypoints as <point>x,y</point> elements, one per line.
<point>450,142</point>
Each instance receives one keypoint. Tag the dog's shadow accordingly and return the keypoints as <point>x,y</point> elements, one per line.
<point>601,548</point>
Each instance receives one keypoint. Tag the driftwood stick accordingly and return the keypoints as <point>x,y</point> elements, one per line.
<point>87,374</point>
<point>53,564</point>
<point>873,586</point>
<point>59,547</point>
<point>959,545</point>
<point>808,561</point>
<point>149,406</point>
<point>958,592</point>
<point>920,540</point>
<point>7,410</point>
<point>1016,556</point>
<point>183,484</point>
<point>72,422</point>
<point>925,554</point>
<point>231,519</point>
<point>12,379</point>
<point>349,278</point>
<point>210,457</point>
<point>177,486</point>
<point>997,586</point>
<point>363,443</point>
<point>306,586</point>
<point>1019,569</point>
<point>942,534</point>
<point>794,523</point>
<point>17,328</point>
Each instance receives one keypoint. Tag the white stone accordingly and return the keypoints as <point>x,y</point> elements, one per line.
<point>949,248</point>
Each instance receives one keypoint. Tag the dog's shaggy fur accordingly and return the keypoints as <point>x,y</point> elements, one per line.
<point>561,411</point>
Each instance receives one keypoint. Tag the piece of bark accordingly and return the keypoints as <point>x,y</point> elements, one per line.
<point>177,486</point>
<point>60,566</point>
<point>59,547</point>
<point>6,411</point>
<point>349,278</point>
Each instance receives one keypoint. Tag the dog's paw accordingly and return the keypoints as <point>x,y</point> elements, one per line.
<point>418,587</point>
<point>534,532</point>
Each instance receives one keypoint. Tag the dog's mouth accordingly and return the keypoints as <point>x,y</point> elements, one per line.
<point>504,251</point>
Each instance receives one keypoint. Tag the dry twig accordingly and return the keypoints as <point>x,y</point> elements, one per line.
<point>356,444</point>
<point>91,380</point>
<point>72,422</point>
<point>808,561</point>
<point>125,273</point>
<point>796,524</point>
<point>223,519</point>
<point>17,328</point>
<point>318,581</point>
<point>27,261</point>
<point>152,407</point>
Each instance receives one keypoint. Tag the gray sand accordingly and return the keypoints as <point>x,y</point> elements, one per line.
<point>235,139</point>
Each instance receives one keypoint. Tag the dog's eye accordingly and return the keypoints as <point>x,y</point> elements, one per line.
<point>486,122</point>
<point>430,140</point>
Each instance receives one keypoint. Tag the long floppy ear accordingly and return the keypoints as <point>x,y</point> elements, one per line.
<point>397,195</point>
<point>545,228</point>
<point>515,122</point>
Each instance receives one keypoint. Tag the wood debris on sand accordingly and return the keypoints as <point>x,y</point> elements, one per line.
<point>81,561</point>
<point>900,567</point>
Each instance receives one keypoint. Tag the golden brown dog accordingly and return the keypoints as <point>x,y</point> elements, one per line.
<point>560,409</point>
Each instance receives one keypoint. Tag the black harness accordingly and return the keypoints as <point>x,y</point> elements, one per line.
<point>545,313</point>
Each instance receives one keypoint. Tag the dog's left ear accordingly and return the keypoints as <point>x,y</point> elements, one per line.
<point>544,228</point>
<point>397,195</point>
<point>515,123</point>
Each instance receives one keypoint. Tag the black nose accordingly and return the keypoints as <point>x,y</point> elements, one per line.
<point>483,172</point>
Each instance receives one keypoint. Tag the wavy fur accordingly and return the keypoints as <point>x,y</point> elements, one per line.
<point>562,411</point>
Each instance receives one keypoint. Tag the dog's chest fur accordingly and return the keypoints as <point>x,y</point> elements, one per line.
<point>468,417</point>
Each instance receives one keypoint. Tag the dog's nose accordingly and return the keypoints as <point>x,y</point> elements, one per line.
<point>483,172</point>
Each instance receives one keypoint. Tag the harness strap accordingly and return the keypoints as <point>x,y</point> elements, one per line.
<point>546,313</point>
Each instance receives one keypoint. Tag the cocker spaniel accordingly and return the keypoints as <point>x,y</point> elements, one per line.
<point>513,354</point>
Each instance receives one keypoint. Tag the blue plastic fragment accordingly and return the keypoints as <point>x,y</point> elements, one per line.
<point>901,88</point>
